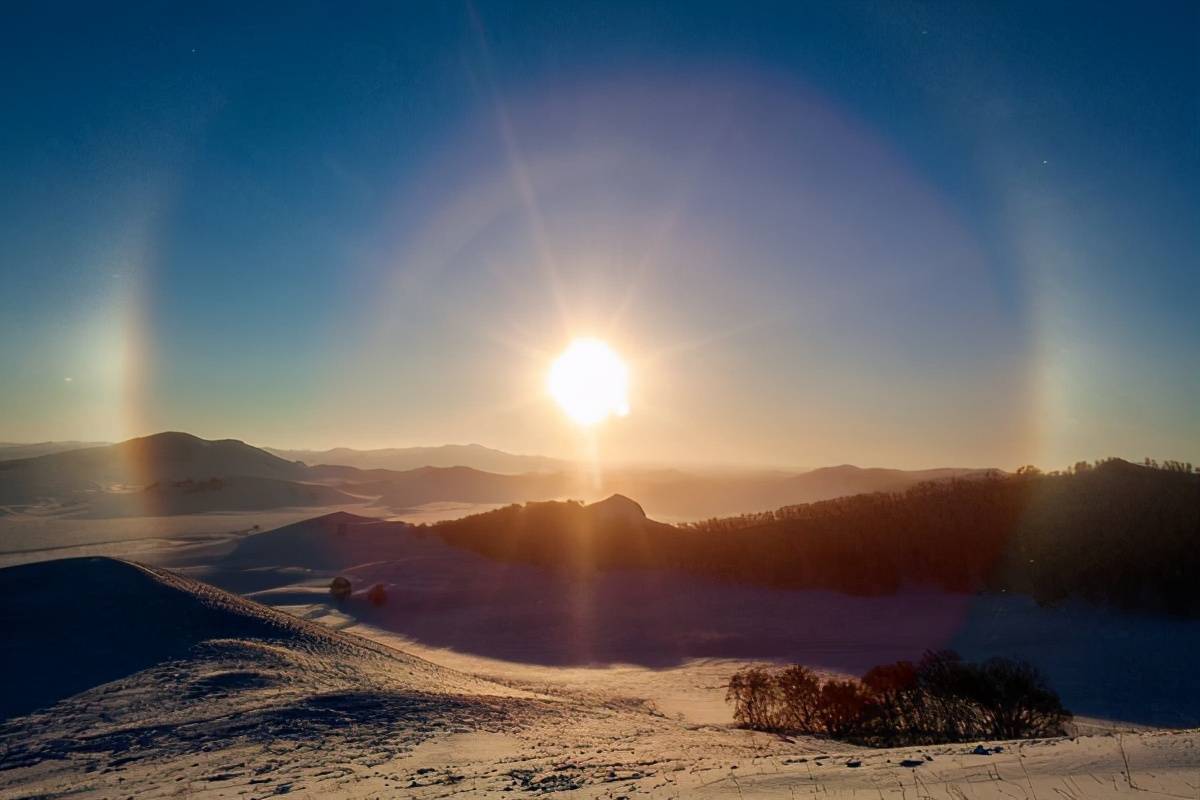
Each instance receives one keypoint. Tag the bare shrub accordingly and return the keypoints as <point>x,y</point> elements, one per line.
<point>752,692</point>
<point>841,706</point>
<point>797,690</point>
<point>1014,701</point>
<point>940,699</point>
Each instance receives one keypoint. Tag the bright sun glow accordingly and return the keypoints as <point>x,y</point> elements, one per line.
<point>590,382</point>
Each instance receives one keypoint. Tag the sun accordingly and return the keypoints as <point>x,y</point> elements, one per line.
<point>590,382</point>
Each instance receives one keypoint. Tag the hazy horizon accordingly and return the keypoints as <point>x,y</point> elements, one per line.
<point>614,464</point>
<point>320,230</point>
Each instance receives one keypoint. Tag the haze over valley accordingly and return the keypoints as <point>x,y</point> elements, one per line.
<point>176,473</point>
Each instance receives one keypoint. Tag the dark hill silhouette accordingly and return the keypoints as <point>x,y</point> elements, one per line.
<point>1115,534</point>
<point>617,509</point>
<point>167,473</point>
<point>569,535</point>
<point>173,468</point>
<point>86,478</point>
<point>170,456</point>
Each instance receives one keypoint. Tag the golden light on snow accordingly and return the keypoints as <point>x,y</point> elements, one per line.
<point>590,382</point>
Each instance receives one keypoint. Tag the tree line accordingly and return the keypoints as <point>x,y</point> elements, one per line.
<point>941,698</point>
<point>1112,532</point>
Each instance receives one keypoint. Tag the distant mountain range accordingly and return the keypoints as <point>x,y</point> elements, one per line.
<point>13,450</point>
<point>177,473</point>
<point>115,479</point>
<point>475,456</point>
<point>680,495</point>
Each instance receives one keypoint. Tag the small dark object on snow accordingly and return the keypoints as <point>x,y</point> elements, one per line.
<point>853,763</point>
<point>340,588</point>
<point>377,595</point>
<point>912,762</point>
<point>980,750</point>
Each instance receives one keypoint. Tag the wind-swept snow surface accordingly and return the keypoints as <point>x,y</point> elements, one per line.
<point>126,665</point>
<point>148,684</point>
<point>75,623</point>
<point>1135,669</point>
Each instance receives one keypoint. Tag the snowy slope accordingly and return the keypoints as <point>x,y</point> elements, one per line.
<point>1105,664</point>
<point>166,687</point>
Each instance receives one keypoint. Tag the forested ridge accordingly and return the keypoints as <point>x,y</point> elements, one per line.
<point>1113,532</point>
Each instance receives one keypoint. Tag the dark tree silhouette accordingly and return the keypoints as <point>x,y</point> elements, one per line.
<point>1114,533</point>
<point>940,699</point>
<point>340,588</point>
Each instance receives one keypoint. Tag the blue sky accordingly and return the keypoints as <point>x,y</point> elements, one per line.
<point>899,234</point>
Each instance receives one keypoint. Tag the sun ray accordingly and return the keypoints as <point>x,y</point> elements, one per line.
<point>520,172</point>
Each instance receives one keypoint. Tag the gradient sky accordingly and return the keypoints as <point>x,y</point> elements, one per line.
<point>884,233</point>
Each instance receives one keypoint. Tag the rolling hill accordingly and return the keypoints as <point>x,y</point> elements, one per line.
<point>474,456</point>
<point>167,473</point>
<point>216,494</point>
<point>841,585</point>
<point>168,456</point>
<point>1115,534</point>
<point>126,617</point>
<point>149,673</point>
<point>125,681</point>
<point>176,473</point>
<point>13,450</point>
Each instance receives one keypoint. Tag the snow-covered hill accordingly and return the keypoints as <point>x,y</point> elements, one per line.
<point>129,681</point>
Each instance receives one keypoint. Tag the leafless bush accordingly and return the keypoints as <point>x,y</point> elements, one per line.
<point>940,699</point>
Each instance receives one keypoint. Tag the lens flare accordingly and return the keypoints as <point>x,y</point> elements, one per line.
<point>590,382</point>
